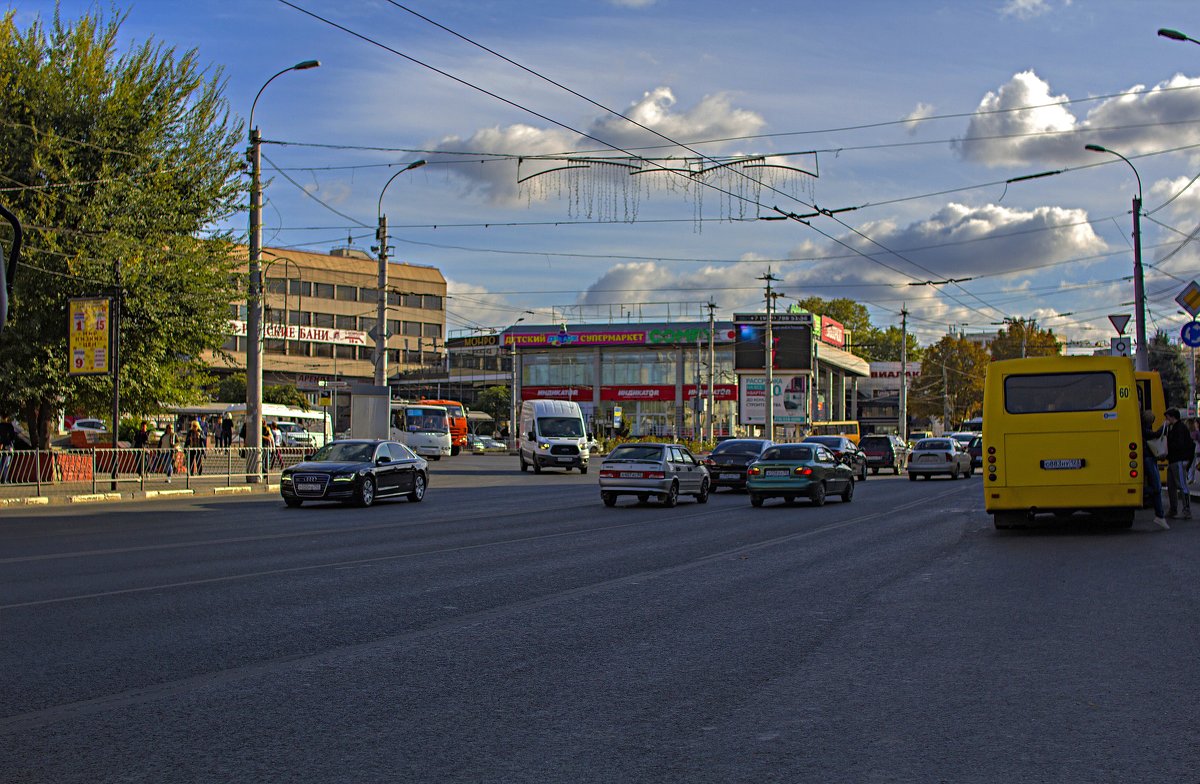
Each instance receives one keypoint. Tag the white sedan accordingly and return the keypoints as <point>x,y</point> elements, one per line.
<point>939,456</point>
<point>94,425</point>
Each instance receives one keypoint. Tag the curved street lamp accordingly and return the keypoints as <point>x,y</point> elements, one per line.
<point>381,234</point>
<point>254,347</point>
<point>1142,356</point>
<point>1175,35</point>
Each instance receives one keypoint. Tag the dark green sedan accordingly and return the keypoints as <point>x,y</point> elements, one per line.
<point>791,471</point>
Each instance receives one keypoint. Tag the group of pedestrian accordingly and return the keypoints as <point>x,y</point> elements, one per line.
<point>1182,452</point>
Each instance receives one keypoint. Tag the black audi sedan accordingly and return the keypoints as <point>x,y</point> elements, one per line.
<point>356,471</point>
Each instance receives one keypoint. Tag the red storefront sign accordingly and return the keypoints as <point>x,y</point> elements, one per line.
<point>832,332</point>
<point>628,394</point>
<point>720,391</point>
<point>556,393</point>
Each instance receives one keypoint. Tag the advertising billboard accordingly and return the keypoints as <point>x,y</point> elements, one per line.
<point>88,345</point>
<point>789,396</point>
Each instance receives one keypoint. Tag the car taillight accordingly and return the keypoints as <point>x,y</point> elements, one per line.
<point>708,461</point>
<point>753,471</point>
<point>608,474</point>
<point>654,475</point>
<point>802,471</point>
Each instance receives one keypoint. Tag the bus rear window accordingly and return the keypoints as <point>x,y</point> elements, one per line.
<point>1049,393</point>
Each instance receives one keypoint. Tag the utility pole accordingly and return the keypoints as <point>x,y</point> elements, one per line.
<point>381,335</point>
<point>903,424</point>
<point>945,398</point>
<point>114,323</point>
<point>769,361</point>
<point>712,306</point>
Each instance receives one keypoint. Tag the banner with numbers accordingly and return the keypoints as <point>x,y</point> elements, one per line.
<point>89,344</point>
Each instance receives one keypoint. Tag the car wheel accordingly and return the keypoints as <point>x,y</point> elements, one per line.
<point>418,491</point>
<point>848,493</point>
<point>702,496</point>
<point>874,471</point>
<point>293,502</point>
<point>756,500</point>
<point>583,469</point>
<point>454,450</point>
<point>643,498</point>
<point>912,477</point>
<point>789,499</point>
<point>609,499</point>
<point>863,476</point>
<point>817,495</point>
<point>524,465</point>
<point>672,496</point>
<point>537,467</point>
<point>366,492</point>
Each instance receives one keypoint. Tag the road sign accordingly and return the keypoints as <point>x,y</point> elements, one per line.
<point>1190,334</point>
<point>1189,298</point>
<point>1120,347</point>
<point>1119,322</point>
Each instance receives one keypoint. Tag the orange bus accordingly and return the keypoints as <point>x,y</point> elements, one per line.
<point>458,422</point>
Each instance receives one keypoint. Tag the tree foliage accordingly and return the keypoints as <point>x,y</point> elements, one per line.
<point>852,315</point>
<point>1167,358</point>
<point>1023,338</point>
<point>113,158</point>
<point>951,381</point>
<point>232,389</point>
<point>494,401</point>
<point>883,345</point>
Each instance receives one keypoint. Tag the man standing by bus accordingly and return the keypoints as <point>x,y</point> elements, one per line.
<point>1180,451</point>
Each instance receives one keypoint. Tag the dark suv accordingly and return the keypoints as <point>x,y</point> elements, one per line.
<point>884,451</point>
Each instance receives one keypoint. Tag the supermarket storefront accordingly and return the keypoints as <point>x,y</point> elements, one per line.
<point>637,379</point>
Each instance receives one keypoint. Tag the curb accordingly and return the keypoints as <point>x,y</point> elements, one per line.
<point>233,490</point>
<point>93,497</point>
<point>34,500</point>
<point>165,493</point>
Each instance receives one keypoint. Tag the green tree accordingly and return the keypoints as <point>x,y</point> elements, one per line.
<point>883,345</point>
<point>852,315</point>
<point>113,159</point>
<point>1167,358</point>
<point>494,401</point>
<point>1023,338</point>
<point>232,389</point>
<point>951,381</point>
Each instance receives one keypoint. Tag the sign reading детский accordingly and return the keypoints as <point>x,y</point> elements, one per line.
<point>88,343</point>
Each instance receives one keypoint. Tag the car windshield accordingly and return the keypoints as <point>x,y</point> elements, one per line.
<point>628,452</point>
<point>290,427</point>
<point>738,447</point>
<point>344,453</point>
<point>934,444</point>
<point>560,427</point>
<point>788,452</point>
<point>977,443</point>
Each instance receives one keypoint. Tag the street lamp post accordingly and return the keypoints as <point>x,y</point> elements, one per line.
<point>512,394</point>
<point>254,373</point>
<point>1142,356</point>
<point>381,335</point>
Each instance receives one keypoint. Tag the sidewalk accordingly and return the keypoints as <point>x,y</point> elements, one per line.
<point>17,496</point>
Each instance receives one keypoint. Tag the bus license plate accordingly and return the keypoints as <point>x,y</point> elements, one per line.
<point>1063,465</point>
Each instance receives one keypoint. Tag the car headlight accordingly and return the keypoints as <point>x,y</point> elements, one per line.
<point>286,479</point>
<point>543,445</point>
<point>344,478</point>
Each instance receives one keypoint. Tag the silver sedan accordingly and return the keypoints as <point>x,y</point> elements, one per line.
<point>939,456</point>
<point>665,471</point>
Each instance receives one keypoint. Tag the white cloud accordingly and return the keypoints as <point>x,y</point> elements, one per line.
<point>1025,9</point>
<point>712,118</point>
<point>1003,134</point>
<point>921,112</point>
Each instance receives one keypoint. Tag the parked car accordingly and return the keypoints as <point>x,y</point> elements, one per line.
<point>296,435</point>
<point>474,443</point>
<point>356,471</point>
<point>665,471</point>
<point>95,425</point>
<point>728,460</point>
<point>790,471</point>
<point>939,456</point>
<point>884,451</point>
<point>845,450</point>
<point>975,450</point>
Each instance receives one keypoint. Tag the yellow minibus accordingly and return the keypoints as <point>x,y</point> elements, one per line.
<point>847,428</point>
<point>1062,434</point>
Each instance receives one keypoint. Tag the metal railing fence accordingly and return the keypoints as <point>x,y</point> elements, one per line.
<point>40,471</point>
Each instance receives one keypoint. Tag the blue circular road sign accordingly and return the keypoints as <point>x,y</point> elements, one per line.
<point>1190,334</point>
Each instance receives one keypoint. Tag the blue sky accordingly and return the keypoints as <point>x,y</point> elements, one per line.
<point>913,114</point>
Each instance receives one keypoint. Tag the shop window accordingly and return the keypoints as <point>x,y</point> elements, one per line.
<point>344,352</point>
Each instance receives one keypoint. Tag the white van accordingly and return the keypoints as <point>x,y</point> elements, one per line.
<point>552,434</point>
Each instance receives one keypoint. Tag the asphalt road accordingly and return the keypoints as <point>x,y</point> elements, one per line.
<point>510,628</point>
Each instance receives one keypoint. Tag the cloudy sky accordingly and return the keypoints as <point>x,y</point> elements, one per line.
<point>611,159</point>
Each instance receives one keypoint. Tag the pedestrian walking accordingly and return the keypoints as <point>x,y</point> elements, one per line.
<point>267,445</point>
<point>141,442</point>
<point>1181,450</point>
<point>166,451</point>
<point>195,443</point>
<point>1151,483</point>
<point>8,443</point>
<point>227,431</point>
